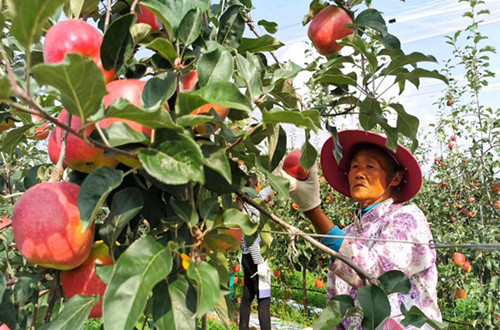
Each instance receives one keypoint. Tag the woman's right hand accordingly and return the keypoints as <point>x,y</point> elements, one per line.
<point>304,193</point>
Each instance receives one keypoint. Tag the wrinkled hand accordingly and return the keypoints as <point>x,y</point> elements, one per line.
<point>304,193</point>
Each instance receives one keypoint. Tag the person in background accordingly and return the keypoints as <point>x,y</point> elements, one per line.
<point>257,275</point>
<point>380,181</point>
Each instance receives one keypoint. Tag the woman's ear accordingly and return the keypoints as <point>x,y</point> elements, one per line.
<point>396,179</point>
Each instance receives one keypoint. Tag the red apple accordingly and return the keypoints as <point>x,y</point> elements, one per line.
<point>46,226</point>
<point>291,166</point>
<point>74,36</point>
<point>449,103</point>
<point>80,155</point>
<point>277,273</point>
<point>84,280</point>
<point>467,266</point>
<point>4,327</point>
<point>236,268</point>
<point>437,160</point>
<point>471,199</point>
<point>130,90</point>
<point>221,111</point>
<point>453,219</point>
<point>148,17</point>
<point>470,214</point>
<point>5,125</point>
<point>327,27</point>
<point>451,145</point>
<point>189,80</point>
<point>41,132</point>
<point>319,283</point>
<point>453,138</point>
<point>459,259</point>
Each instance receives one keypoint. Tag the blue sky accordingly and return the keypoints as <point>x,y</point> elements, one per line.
<point>421,25</point>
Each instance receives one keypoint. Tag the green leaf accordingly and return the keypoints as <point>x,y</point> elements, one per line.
<point>215,182</point>
<point>80,82</point>
<point>214,66</point>
<point>29,17</point>
<point>231,27</point>
<point>421,73</point>
<point>334,313</point>
<point>287,71</point>
<point>164,48</point>
<point>158,90</point>
<point>412,59</point>
<point>406,123</point>
<point>125,205</point>
<point>5,89</point>
<point>336,79</point>
<point>375,306</point>
<point>234,217</point>
<point>171,12</point>
<point>308,155</point>
<point>216,158</point>
<point>176,161</point>
<point>277,144</point>
<point>417,318</point>
<point>250,73</point>
<point>185,211</point>
<point>309,119</point>
<point>371,18</point>
<point>104,272</point>
<point>225,94</point>
<point>77,8</point>
<point>265,43</point>
<point>122,108</point>
<point>358,43</point>
<point>190,26</point>
<point>3,286</point>
<point>74,314</point>
<point>206,282</point>
<point>145,263</point>
<point>117,43</point>
<point>174,305</point>
<point>395,281</point>
<point>119,133</point>
<point>94,190</point>
<point>270,27</point>
<point>13,138</point>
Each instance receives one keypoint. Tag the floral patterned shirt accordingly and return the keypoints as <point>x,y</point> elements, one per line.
<point>397,222</point>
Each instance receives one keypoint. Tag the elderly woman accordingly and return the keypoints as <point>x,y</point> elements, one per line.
<point>379,180</point>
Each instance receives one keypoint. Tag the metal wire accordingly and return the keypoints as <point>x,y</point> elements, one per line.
<point>432,243</point>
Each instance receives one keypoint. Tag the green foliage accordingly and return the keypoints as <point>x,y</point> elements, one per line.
<point>163,216</point>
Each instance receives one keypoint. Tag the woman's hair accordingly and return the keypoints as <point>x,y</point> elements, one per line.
<point>253,180</point>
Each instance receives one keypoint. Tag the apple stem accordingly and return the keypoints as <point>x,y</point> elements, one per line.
<point>101,133</point>
<point>59,169</point>
<point>133,5</point>
<point>365,277</point>
<point>108,15</point>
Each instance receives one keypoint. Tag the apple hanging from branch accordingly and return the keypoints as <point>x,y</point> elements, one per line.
<point>327,27</point>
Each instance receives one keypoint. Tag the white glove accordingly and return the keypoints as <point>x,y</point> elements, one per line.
<point>304,193</point>
<point>264,273</point>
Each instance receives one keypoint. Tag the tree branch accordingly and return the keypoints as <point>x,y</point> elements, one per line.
<point>367,278</point>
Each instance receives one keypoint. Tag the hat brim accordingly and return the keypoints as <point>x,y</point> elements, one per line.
<point>336,174</point>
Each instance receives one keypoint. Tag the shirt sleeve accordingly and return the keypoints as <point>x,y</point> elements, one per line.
<point>406,224</point>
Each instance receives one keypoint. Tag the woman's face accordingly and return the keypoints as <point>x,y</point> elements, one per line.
<point>368,177</point>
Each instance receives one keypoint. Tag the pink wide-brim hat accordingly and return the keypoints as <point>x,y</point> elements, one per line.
<point>336,174</point>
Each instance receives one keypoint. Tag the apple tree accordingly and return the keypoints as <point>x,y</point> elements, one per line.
<point>160,159</point>
<point>461,197</point>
